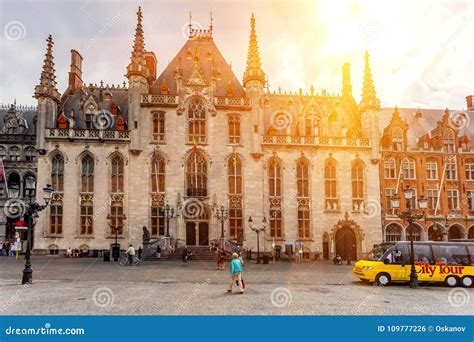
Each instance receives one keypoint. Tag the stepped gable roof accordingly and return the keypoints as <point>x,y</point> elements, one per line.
<point>119,96</point>
<point>28,113</point>
<point>421,124</point>
<point>209,57</point>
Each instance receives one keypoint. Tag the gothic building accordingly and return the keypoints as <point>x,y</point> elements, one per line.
<point>432,152</point>
<point>18,155</point>
<point>196,138</point>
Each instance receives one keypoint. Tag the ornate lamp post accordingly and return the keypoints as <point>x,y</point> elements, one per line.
<point>257,229</point>
<point>116,249</point>
<point>222,215</point>
<point>168,213</point>
<point>410,216</point>
<point>32,211</point>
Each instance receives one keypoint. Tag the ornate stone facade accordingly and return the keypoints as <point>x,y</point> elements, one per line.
<point>196,138</point>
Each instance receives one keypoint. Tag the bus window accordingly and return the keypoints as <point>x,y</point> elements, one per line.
<point>423,254</point>
<point>471,254</point>
<point>451,254</point>
<point>403,255</point>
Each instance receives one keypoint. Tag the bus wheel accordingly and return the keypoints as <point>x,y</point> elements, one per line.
<point>451,281</point>
<point>466,281</point>
<point>382,279</point>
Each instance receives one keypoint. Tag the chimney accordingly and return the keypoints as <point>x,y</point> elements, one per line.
<point>469,102</point>
<point>75,72</point>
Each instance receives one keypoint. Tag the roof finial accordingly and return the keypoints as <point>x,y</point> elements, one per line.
<point>369,97</point>
<point>210,26</point>
<point>47,85</point>
<point>137,61</point>
<point>190,25</point>
<point>254,66</point>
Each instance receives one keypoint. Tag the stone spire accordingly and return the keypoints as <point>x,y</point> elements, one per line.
<point>369,98</point>
<point>47,85</point>
<point>254,66</point>
<point>137,64</point>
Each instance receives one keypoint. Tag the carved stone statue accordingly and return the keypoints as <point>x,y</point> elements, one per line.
<point>146,234</point>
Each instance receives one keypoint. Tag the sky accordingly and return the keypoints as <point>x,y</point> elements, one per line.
<point>421,52</point>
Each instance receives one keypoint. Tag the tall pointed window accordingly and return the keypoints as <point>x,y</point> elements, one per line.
<point>330,185</point>
<point>56,219</point>
<point>275,197</point>
<point>397,139</point>
<point>234,129</point>
<point>234,167</point>
<point>57,173</point>
<point>157,221</point>
<point>87,215</point>
<point>389,168</point>
<point>303,198</point>
<point>357,178</point>
<point>87,174</point>
<point>157,173</point>
<point>196,175</point>
<point>117,174</point>
<point>159,127</point>
<point>196,121</point>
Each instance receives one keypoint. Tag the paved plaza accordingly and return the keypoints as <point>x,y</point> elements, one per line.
<point>91,286</point>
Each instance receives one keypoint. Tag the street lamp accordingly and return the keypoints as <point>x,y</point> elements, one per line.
<point>115,227</point>
<point>32,211</point>
<point>168,213</point>
<point>257,229</point>
<point>222,214</point>
<point>409,216</point>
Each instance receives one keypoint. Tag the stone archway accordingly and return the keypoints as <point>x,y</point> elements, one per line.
<point>456,232</point>
<point>347,237</point>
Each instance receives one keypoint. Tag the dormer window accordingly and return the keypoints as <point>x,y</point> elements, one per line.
<point>397,139</point>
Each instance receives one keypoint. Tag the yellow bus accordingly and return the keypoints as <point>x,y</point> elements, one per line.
<point>448,262</point>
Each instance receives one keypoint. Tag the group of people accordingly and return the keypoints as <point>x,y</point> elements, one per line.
<point>76,253</point>
<point>9,248</point>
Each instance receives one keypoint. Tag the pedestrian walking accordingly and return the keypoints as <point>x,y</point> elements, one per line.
<point>221,259</point>
<point>140,251</point>
<point>185,254</point>
<point>158,252</point>
<point>236,273</point>
<point>1,248</point>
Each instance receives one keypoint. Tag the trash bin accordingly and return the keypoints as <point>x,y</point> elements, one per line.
<point>115,252</point>
<point>265,259</point>
<point>106,256</point>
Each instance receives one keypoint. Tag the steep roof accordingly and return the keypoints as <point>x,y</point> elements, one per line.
<point>28,113</point>
<point>209,58</point>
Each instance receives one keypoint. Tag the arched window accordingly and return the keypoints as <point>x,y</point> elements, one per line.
<point>30,154</point>
<point>302,178</point>
<point>117,174</point>
<point>303,198</point>
<point>234,129</point>
<point>14,153</point>
<point>159,127</point>
<point>330,185</point>
<point>57,173</point>
<point>471,233</point>
<point>234,168</point>
<point>196,175</point>
<point>196,121</point>
<point>416,232</point>
<point>397,139</point>
<point>389,168</point>
<point>448,141</point>
<point>275,194</point>
<point>357,177</point>
<point>409,169</point>
<point>393,232</point>
<point>56,219</point>
<point>274,175</point>
<point>435,232</point>
<point>87,174</point>
<point>234,172</point>
<point>158,164</point>
<point>455,232</point>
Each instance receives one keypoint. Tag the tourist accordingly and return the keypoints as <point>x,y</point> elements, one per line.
<point>221,259</point>
<point>130,253</point>
<point>1,247</point>
<point>158,252</point>
<point>140,251</point>
<point>235,273</point>
<point>69,252</point>
<point>185,254</point>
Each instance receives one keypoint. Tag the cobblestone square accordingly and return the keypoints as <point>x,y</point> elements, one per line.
<point>90,286</point>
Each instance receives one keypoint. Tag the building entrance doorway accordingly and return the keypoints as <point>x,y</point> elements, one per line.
<point>346,243</point>
<point>197,233</point>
